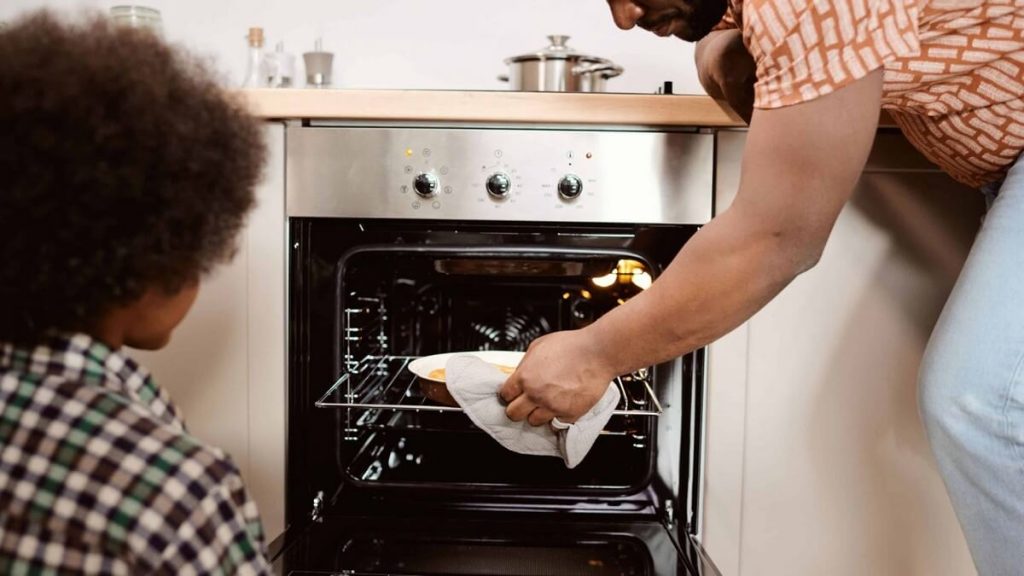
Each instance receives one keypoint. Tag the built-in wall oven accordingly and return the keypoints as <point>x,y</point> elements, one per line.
<point>412,240</point>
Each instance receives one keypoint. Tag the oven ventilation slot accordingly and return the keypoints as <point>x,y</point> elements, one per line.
<point>385,383</point>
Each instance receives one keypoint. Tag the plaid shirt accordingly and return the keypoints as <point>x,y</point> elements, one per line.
<point>99,476</point>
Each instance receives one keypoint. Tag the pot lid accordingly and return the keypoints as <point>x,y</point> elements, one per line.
<point>557,50</point>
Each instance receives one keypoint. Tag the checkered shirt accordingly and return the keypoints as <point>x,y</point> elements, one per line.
<point>99,476</point>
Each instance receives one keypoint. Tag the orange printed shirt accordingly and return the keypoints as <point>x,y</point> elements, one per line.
<point>953,76</point>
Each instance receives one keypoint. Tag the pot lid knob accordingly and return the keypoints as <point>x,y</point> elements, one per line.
<point>558,42</point>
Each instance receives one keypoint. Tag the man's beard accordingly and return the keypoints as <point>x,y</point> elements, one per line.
<point>698,22</point>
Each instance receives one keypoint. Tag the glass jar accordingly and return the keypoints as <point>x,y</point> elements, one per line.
<point>138,17</point>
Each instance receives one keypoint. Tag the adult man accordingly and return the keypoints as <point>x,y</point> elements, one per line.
<point>815,74</point>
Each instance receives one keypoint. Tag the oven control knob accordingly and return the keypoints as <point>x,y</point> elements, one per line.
<point>570,187</point>
<point>499,185</point>
<point>425,184</point>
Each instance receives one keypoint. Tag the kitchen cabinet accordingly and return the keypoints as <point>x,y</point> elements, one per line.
<point>817,462</point>
<point>225,365</point>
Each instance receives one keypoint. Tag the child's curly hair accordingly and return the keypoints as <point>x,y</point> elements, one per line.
<point>123,167</point>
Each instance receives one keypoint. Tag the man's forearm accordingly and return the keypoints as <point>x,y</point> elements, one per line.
<point>728,271</point>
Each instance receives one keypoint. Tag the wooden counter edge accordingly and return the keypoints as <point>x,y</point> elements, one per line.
<point>489,107</point>
<point>495,107</point>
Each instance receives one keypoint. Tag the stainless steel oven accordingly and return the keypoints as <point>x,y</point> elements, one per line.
<point>419,239</point>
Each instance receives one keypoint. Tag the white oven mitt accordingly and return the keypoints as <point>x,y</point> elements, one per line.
<point>475,384</point>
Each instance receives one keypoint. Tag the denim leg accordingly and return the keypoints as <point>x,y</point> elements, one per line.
<point>971,389</point>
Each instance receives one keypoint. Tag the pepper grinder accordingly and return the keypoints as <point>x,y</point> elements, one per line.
<point>318,66</point>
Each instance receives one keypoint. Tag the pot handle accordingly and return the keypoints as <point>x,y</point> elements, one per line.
<point>502,77</point>
<point>606,70</point>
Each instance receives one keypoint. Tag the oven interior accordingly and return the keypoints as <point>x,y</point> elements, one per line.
<point>367,297</point>
<point>397,303</point>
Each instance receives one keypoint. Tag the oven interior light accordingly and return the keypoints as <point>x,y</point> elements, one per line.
<point>642,280</point>
<point>625,272</point>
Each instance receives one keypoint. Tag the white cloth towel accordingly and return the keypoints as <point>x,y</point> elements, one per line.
<point>475,384</point>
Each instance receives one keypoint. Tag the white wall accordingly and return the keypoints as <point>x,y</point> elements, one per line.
<point>225,364</point>
<point>435,44</point>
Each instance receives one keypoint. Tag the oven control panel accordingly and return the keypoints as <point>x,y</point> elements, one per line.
<point>489,174</point>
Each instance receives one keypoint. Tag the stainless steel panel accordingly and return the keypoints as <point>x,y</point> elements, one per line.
<point>628,177</point>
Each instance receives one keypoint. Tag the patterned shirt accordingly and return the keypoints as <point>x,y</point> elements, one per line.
<point>99,476</point>
<point>953,75</point>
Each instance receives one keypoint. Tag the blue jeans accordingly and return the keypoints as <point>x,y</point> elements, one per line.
<point>972,388</point>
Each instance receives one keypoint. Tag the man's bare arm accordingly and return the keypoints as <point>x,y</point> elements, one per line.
<point>800,166</point>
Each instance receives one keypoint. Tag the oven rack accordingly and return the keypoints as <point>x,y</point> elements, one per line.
<point>385,383</point>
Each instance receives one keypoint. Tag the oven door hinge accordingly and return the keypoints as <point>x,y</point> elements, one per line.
<point>317,515</point>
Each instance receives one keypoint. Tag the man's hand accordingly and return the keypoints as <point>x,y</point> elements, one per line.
<point>727,71</point>
<point>563,375</point>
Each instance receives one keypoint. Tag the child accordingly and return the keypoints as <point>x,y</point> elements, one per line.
<point>127,175</point>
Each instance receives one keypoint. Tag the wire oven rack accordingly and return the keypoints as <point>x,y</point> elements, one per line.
<point>385,383</point>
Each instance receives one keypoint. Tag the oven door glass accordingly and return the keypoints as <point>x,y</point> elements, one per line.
<point>396,303</point>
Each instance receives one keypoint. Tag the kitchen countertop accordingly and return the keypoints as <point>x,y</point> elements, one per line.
<point>490,107</point>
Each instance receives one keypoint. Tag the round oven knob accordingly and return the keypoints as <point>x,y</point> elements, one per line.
<point>570,187</point>
<point>499,185</point>
<point>425,184</point>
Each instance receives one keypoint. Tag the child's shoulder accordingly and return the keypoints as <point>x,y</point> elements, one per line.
<point>111,439</point>
<point>84,460</point>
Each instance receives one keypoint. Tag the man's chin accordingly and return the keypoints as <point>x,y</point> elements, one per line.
<point>691,35</point>
<point>702,20</point>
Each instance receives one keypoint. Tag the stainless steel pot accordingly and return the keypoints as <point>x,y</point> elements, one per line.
<point>559,68</point>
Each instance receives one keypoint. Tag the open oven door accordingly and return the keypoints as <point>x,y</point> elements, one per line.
<point>427,545</point>
<point>418,534</point>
